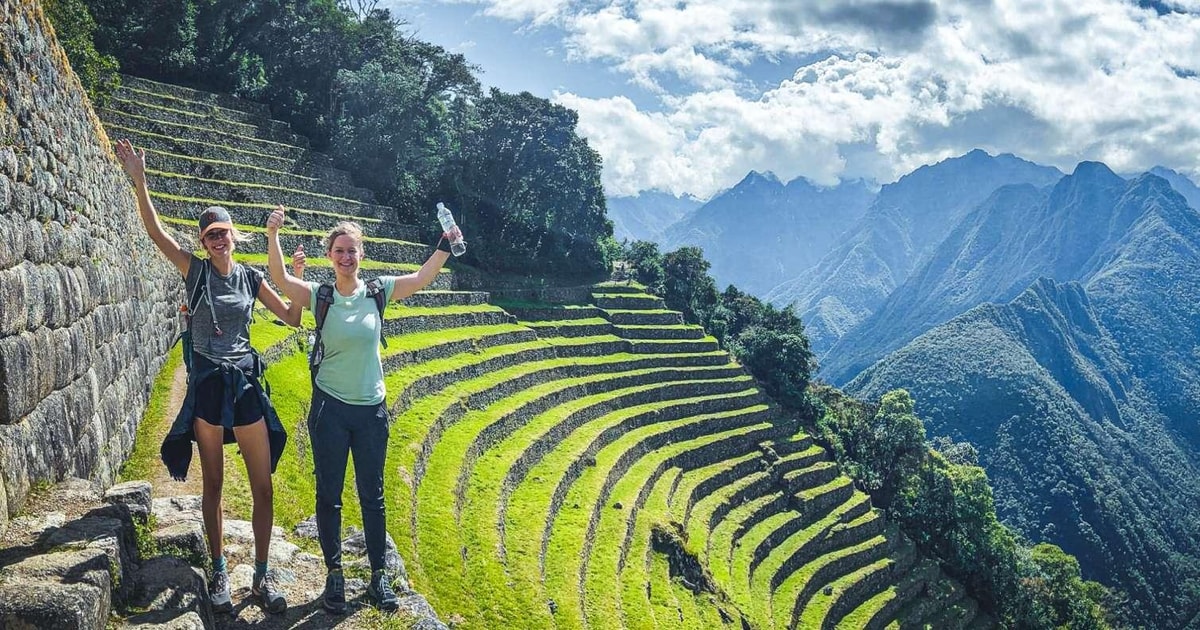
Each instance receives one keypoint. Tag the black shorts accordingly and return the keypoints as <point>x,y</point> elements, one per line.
<point>211,392</point>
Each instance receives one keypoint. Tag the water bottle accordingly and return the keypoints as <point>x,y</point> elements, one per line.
<point>457,246</point>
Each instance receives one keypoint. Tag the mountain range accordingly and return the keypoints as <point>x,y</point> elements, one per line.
<point>756,234</point>
<point>1052,321</point>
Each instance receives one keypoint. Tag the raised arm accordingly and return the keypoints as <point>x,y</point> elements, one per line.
<point>409,284</point>
<point>134,163</point>
<point>295,289</point>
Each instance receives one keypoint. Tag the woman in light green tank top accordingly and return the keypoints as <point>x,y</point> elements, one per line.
<point>347,412</point>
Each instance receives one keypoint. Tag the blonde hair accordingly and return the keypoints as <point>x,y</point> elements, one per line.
<point>344,228</point>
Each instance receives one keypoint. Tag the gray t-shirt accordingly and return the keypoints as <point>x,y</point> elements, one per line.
<point>232,301</point>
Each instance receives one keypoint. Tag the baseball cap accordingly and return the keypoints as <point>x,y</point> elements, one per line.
<point>214,217</point>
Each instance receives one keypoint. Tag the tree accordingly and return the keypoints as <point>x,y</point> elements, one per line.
<point>779,361</point>
<point>532,184</point>
<point>687,287</point>
<point>75,29</point>
<point>644,257</point>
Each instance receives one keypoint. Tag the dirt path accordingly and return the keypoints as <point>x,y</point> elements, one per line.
<point>160,481</point>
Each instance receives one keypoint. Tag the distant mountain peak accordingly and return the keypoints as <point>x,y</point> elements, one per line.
<point>1094,170</point>
<point>755,176</point>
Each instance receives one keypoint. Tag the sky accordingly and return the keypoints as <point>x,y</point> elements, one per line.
<point>687,96</point>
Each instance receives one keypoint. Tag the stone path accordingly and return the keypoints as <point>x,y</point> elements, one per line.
<point>124,560</point>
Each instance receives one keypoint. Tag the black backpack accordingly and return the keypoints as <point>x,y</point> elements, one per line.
<point>316,352</point>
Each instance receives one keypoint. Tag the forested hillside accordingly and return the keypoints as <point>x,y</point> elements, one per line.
<point>1081,396</point>
<point>1019,234</point>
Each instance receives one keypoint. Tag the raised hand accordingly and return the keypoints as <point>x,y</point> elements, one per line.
<point>132,160</point>
<point>275,220</point>
<point>298,261</point>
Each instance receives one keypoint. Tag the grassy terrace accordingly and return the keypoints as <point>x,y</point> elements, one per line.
<point>480,497</point>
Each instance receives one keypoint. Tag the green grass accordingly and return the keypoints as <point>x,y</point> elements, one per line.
<point>678,502</point>
<point>145,458</point>
<point>643,607</point>
<point>420,417</point>
<point>698,524</point>
<point>726,533</point>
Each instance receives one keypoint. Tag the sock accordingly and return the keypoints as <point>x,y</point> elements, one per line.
<point>219,564</point>
<point>260,569</point>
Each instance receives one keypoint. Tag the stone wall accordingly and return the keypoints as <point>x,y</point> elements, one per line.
<point>86,302</point>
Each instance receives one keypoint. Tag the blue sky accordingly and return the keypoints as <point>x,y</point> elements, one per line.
<point>686,96</point>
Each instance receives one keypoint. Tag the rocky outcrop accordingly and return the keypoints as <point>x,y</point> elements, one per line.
<point>86,303</point>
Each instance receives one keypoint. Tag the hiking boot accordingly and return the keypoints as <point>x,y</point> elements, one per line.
<point>218,591</point>
<point>266,589</point>
<point>334,598</point>
<point>380,590</point>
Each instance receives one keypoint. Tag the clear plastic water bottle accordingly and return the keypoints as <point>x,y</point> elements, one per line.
<point>457,246</point>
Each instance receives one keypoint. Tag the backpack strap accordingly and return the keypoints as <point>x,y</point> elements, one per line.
<point>324,301</point>
<point>316,350</point>
<point>375,290</point>
<point>201,288</point>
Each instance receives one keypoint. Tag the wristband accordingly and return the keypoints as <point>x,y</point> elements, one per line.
<point>443,245</point>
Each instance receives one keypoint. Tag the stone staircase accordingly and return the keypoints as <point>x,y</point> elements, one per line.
<point>207,149</point>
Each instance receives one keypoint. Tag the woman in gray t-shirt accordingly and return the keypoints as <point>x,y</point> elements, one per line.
<point>225,401</point>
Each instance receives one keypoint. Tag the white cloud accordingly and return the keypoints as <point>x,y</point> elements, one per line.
<point>897,84</point>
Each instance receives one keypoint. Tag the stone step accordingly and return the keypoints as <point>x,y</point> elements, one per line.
<point>422,320</point>
<point>658,346</point>
<point>659,332</point>
<point>644,318</point>
<point>554,313</point>
<point>571,328</point>
<point>640,302</point>
<point>308,164</point>
<point>233,172</point>
<point>618,287</point>
<point>377,249</point>
<point>188,94</point>
<point>248,193</point>
<point>200,134</point>
<point>250,217</point>
<point>263,131</point>
<point>244,116</point>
